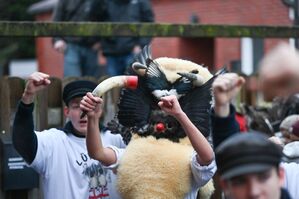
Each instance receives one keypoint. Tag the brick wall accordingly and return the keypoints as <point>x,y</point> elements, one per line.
<point>211,52</point>
<point>249,12</point>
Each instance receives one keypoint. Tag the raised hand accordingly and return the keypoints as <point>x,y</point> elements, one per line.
<point>60,46</point>
<point>92,105</point>
<point>225,88</point>
<point>170,105</point>
<point>36,82</point>
<point>279,72</point>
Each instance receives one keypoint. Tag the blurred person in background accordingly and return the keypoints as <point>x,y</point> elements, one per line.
<point>279,72</point>
<point>80,53</point>
<point>120,51</point>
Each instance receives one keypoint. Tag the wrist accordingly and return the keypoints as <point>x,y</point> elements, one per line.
<point>179,116</point>
<point>222,110</point>
<point>93,119</point>
<point>27,98</point>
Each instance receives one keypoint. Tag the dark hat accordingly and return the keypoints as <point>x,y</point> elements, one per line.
<point>77,89</point>
<point>246,153</point>
<point>295,129</point>
<point>288,122</point>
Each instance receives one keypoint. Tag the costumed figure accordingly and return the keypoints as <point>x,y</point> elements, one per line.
<point>160,160</point>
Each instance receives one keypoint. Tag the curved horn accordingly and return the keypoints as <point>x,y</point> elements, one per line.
<point>116,81</point>
<point>126,81</point>
<point>139,68</point>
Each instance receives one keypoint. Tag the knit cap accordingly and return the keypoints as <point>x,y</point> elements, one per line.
<point>288,122</point>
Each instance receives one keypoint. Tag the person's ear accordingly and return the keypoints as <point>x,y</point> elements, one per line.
<point>66,111</point>
<point>223,184</point>
<point>225,187</point>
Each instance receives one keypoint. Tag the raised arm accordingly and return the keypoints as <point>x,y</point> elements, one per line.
<point>204,151</point>
<point>225,88</point>
<point>23,136</point>
<point>93,106</point>
<point>279,73</point>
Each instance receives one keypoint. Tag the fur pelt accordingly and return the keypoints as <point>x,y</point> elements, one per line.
<point>207,190</point>
<point>154,169</point>
<point>171,66</point>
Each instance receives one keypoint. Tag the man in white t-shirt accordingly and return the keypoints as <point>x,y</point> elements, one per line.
<point>60,155</point>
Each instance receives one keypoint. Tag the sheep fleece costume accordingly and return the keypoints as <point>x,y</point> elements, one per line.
<point>160,168</point>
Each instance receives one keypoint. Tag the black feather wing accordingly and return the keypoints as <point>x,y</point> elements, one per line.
<point>144,56</point>
<point>134,108</point>
<point>155,77</point>
<point>135,105</point>
<point>182,85</point>
<point>197,104</point>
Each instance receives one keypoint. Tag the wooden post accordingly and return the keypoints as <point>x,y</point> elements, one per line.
<point>11,92</point>
<point>48,107</point>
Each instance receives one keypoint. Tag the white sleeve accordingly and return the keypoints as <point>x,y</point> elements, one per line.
<point>45,144</point>
<point>202,174</point>
<point>291,178</point>
<point>112,139</point>
<point>119,153</point>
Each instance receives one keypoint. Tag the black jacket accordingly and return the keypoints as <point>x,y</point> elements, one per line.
<point>127,11</point>
<point>80,11</point>
<point>223,127</point>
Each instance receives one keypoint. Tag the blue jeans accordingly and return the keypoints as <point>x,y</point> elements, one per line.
<point>80,61</point>
<point>117,65</point>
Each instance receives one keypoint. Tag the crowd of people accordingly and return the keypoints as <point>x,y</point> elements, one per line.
<point>82,54</point>
<point>83,159</point>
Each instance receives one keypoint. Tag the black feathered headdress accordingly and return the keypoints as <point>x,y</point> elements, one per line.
<point>138,111</point>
